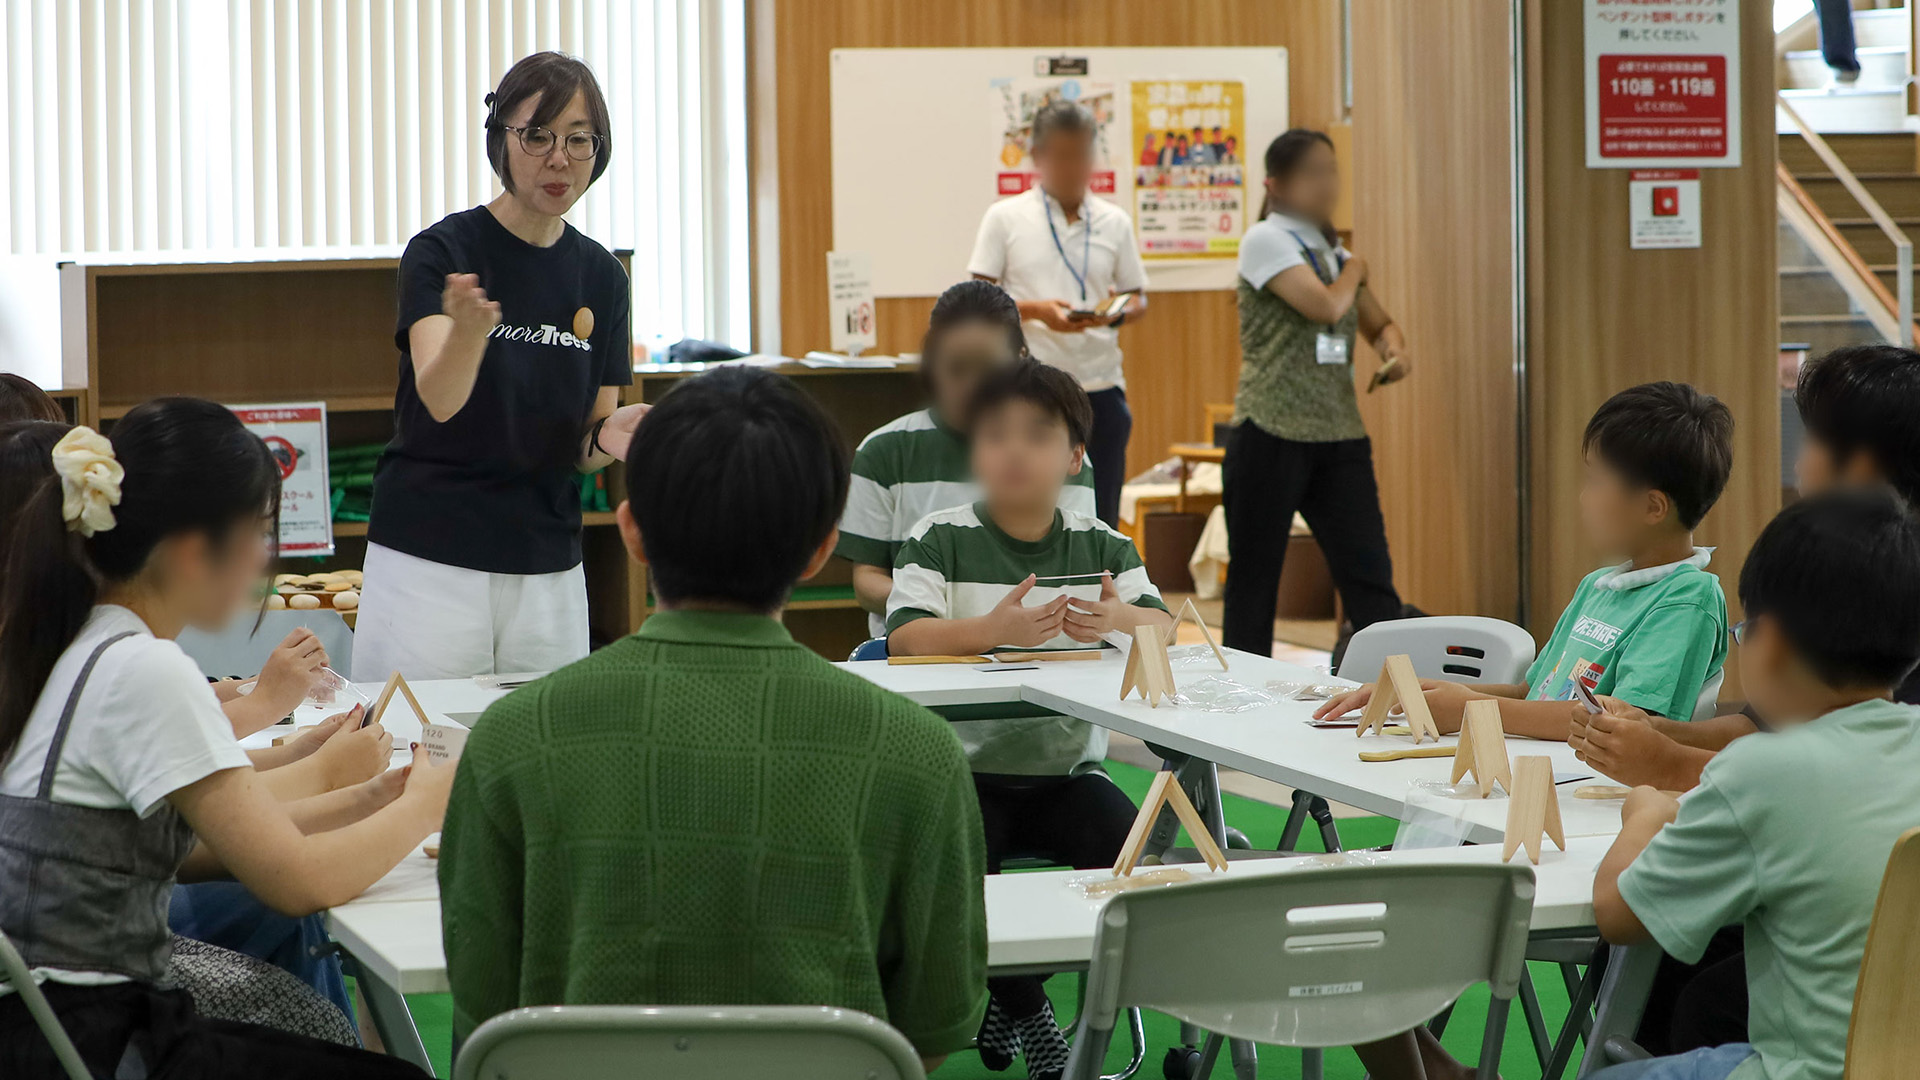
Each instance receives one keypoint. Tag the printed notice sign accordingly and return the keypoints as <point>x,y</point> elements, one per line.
<point>850,301</point>
<point>297,436</point>
<point>1663,83</point>
<point>1663,208</point>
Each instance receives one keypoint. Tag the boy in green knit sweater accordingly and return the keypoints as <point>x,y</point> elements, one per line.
<point>706,812</point>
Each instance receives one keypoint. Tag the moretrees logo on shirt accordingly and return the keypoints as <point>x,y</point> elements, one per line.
<point>544,334</point>
<point>1600,633</point>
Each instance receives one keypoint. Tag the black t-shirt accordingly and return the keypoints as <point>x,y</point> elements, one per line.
<point>494,487</point>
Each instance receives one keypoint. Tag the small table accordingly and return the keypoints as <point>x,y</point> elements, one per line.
<point>1191,454</point>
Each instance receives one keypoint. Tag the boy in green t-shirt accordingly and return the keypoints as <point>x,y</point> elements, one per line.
<point>706,812</point>
<point>1791,832</point>
<point>1650,631</point>
<point>1014,571</point>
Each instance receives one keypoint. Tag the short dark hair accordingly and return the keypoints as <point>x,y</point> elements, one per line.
<point>1055,391</point>
<point>20,399</point>
<point>1061,116</point>
<point>1669,437</point>
<point>736,478</point>
<point>1839,573</point>
<point>972,301</point>
<point>555,78</point>
<point>1866,398</point>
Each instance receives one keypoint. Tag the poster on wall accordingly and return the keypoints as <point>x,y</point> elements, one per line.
<point>1189,180</point>
<point>296,434</point>
<point>1015,102</point>
<point>1663,83</point>
<point>850,302</point>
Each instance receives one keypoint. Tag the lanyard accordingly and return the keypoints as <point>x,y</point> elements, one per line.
<point>1086,258</point>
<point>1339,263</point>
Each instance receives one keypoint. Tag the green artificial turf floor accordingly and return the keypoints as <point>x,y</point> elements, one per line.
<point>1262,824</point>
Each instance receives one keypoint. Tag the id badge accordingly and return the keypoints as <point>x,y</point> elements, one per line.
<point>1330,349</point>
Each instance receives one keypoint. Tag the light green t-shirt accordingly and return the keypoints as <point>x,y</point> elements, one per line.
<point>1791,833</point>
<point>1649,637</point>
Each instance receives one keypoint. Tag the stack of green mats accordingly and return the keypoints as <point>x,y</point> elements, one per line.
<point>350,472</point>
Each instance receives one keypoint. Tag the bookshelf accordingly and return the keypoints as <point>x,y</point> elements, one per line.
<point>275,327</point>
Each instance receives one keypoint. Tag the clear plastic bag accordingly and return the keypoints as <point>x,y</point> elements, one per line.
<point>1195,655</point>
<point>1308,691</point>
<point>329,685</point>
<point>1101,885</point>
<point>1219,694</point>
<point>1435,815</point>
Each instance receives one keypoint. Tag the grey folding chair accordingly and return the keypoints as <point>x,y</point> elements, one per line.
<point>237,649</point>
<point>1310,958</point>
<point>688,1042</point>
<point>22,982</point>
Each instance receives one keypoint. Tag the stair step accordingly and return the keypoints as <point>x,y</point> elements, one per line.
<point>1885,152</point>
<point>1825,333</point>
<point>1812,292</point>
<point>1881,28</point>
<point>1881,67</point>
<point>1858,109</point>
<point>1897,193</point>
<point>1873,245</point>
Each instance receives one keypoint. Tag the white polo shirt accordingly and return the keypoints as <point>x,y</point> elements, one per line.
<point>1016,248</point>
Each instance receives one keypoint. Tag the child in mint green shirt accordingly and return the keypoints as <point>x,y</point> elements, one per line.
<point>1789,833</point>
<point>1651,630</point>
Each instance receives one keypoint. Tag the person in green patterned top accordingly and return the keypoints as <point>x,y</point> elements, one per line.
<point>706,812</point>
<point>1014,571</point>
<point>916,464</point>
<point>1297,442</point>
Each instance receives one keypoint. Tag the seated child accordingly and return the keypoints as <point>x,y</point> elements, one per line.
<point>1016,572</point>
<point>706,812</point>
<point>1789,833</point>
<point>1650,631</point>
<point>912,466</point>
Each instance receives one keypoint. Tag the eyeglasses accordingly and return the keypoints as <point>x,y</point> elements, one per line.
<point>1738,631</point>
<point>538,141</point>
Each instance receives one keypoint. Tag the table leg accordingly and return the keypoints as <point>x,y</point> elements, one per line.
<point>1622,1001</point>
<point>391,1018</point>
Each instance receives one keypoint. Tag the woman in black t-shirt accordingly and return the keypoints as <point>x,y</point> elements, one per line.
<point>514,340</point>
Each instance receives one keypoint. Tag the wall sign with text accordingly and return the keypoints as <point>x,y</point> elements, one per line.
<point>297,435</point>
<point>1663,83</point>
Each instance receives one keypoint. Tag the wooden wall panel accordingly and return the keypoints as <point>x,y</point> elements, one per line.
<point>1186,352</point>
<point>1433,209</point>
<point>1602,317</point>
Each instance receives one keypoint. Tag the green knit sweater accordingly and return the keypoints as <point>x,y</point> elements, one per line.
<point>707,813</point>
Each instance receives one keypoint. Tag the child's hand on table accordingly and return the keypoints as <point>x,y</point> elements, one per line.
<point>353,754</point>
<point>1026,627</point>
<point>1650,805</point>
<point>1445,700</point>
<point>289,672</point>
<point>1086,620</point>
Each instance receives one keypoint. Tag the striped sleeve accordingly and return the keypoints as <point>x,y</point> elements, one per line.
<point>1130,574</point>
<point>866,527</point>
<point>919,580</point>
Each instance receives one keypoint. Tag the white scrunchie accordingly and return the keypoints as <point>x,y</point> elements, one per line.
<point>89,480</point>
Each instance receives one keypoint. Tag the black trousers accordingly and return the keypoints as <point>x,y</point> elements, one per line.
<point>160,1026</point>
<point>1836,34</point>
<point>1112,427</point>
<point>1331,484</point>
<point>1080,822</point>
<point>1692,1006</point>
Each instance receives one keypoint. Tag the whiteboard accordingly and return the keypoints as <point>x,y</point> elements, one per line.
<point>916,135</point>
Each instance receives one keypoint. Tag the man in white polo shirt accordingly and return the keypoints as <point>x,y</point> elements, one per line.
<point>1057,249</point>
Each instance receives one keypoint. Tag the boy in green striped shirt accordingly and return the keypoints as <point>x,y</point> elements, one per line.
<point>1014,571</point>
<point>916,464</point>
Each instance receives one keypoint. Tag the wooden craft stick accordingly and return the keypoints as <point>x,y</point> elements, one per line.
<point>1398,685</point>
<point>1188,611</point>
<point>1142,824</point>
<point>1148,668</point>
<point>1407,752</point>
<point>1166,791</point>
<point>1055,656</point>
<point>1165,875</point>
<point>378,713</point>
<point>1533,810</point>
<point>907,661</point>
<point>1483,748</point>
<point>1197,830</point>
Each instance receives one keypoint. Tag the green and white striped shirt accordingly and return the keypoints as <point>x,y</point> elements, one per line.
<point>957,564</point>
<point>907,469</point>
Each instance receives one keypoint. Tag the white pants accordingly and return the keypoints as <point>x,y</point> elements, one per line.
<point>428,620</point>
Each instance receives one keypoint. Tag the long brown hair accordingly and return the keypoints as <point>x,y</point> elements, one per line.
<point>190,467</point>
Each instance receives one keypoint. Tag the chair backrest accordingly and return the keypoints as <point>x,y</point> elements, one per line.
<point>1880,1037</point>
<point>693,1042</point>
<point>1707,706</point>
<point>18,977</point>
<point>870,649</point>
<point>240,650</point>
<point>1454,648</point>
<point>1322,957</point>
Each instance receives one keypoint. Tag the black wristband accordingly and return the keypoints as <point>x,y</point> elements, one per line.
<point>593,438</point>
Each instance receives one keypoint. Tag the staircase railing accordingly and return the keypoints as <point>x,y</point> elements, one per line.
<point>1900,304</point>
